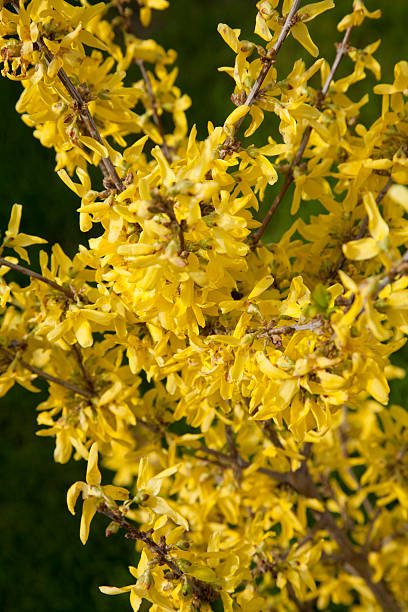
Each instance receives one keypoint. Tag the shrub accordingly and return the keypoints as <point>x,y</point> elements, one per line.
<point>237,387</point>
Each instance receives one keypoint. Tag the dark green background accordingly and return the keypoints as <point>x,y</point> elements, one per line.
<point>43,565</point>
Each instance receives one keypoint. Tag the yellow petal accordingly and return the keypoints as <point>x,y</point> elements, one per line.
<point>269,369</point>
<point>377,226</point>
<point>15,218</point>
<point>230,36</point>
<point>366,248</point>
<point>88,512</point>
<point>301,33</point>
<point>257,116</point>
<point>167,472</point>
<point>260,287</point>
<point>135,600</point>
<point>94,145</point>
<point>261,28</point>
<point>202,572</point>
<point>93,475</point>
<point>399,194</point>
<point>116,492</point>
<point>73,494</point>
<point>110,590</point>
<point>142,476</point>
<point>310,11</point>
<point>237,114</point>
<point>83,331</point>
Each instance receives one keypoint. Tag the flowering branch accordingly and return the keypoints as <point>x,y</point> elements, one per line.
<point>289,178</point>
<point>302,482</point>
<point>268,62</point>
<point>153,102</point>
<point>106,165</point>
<point>67,292</point>
<point>203,591</point>
<point>59,381</point>
<point>76,349</point>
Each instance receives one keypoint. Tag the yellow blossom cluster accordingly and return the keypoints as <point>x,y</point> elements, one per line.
<point>238,388</point>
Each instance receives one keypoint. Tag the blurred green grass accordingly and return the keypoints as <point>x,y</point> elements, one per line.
<point>44,565</point>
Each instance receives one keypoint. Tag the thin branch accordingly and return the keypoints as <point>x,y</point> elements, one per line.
<point>311,325</point>
<point>268,62</point>
<point>271,57</point>
<point>343,447</point>
<point>63,383</point>
<point>67,292</point>
<point>227,461</point>
<point>153,102</point>
<point>289,178</point>
<point>76,349</point>
<point>356,562</point>
<point>398,269</point>
<point>270,432</point>
<point>106,165</point>
<point>204,591</point>
<point>164,205</point>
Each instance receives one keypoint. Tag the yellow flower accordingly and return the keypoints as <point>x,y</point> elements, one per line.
<point>93,493</point>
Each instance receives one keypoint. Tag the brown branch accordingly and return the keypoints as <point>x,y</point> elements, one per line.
<point>59,381</point>
<point>398,269</point>
<point>268,62</point>
<point>153,102</point>
<point>311,325</point>
<point>106,165</point>
<point>204,591</point>
<point>67,292</point>
<point>357,562</point>
<point>302,606</point>
<point>289,178</point>
<point>76,349</point>
<point>343,447</point>
<point>164,205</point>
<point>270,432</point>
<point>302,482</point>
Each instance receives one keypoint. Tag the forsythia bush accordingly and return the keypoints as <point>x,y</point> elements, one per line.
<point>238,389</point>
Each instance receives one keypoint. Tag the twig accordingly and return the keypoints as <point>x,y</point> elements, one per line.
<point>76,349</point>
<point>268,61</point>
<point>106,165</point>
<point>234,454</point>
<point>289,178</point>
<point>357,562</point>
<point>270,432</point>
<point>164,146</point>
<point>291,329</point>
<point>343,447</point>
<point>63,383</point>
<point>164,205</point>
<point>204,591</point>
<point>302,606</point>
<point>399,268</point>
<point>67,292</point>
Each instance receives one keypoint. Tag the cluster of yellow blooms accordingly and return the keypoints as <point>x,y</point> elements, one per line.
<point>238,389</point>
